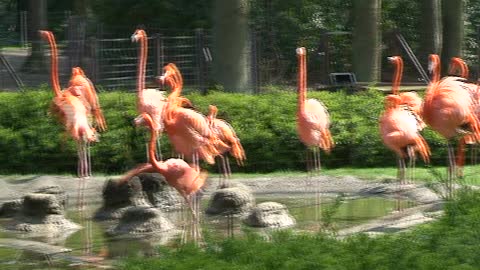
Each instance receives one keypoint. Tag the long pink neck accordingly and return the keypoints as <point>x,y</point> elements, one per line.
<point>301,84</point>
<point>160,166</point>
<point>54,65</point>
<point>458,63</point>
<point>142,63</point>
<point>397,78</point>
<point>435,62</point>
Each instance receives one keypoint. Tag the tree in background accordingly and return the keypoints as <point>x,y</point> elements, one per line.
<point>366,42</point>
<point>453,30</point>
<point>430,30</point>
<point>231,44</point>
<point>37,20</point>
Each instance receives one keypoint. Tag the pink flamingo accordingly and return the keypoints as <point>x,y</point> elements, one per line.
<point>227,135</point>
<point>188,130</point>
<point>313,120</point>
<point>72,111</point>
<point>88,95</point>
<point>185,179</point>
<point>399,127</point>
<point>149,101</point>
<point>450,110</point>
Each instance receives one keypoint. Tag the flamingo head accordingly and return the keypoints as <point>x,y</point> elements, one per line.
<point>394,59</point>
<point>77,71</point>
<point>301,51</point>
<point>184,102</point>
<point>213,111</point>
<point>171,75</point>
<point>433,62</point>
<point>139,34</point>
<point>392,101</point>
<point>141,120</point>
<point>45,34</point>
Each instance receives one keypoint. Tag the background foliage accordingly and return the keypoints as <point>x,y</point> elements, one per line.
<point>32,141</point>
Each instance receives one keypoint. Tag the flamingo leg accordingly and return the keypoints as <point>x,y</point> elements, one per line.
<point>401,170</point>
<point>221,174</point>
<point>194,210</point>
<point>411,164</point>
<point>225,170</point>
<point>229,170</point>
<point>89,159</point>
<point>451,169</point>
<point>318,164</point>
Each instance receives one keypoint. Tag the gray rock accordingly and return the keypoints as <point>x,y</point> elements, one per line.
<point>119,197</point>
<point>270,215</point>
<point>141,220</point>
<point>11,208</point>
<point>55,190</point>
<point>230,201</point>
<point>159,193</point>
<point>37,204</point>
<point>41,214</point>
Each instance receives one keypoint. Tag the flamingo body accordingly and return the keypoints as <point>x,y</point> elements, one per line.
<point>86,91</point>
<point>190,133</point>
<point>399,129</point>
<point>227,135</point>
<point>313,125</point>
<point>448,108</point>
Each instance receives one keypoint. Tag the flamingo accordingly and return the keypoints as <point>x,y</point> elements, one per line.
<point>227,135</point>
<point>149,101</point>
<point>72,111</point>
<point>449,109</point>
<point>89,95</point>
<point>313,120</point>
<point>399,127</point>
<point>457,64</point>
<point>188,130</point>
<point>178,174</point>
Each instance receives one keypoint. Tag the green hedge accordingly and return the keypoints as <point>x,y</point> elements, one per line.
<point>32,141</point>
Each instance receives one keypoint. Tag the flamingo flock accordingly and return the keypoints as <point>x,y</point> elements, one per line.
<point>450,107</point>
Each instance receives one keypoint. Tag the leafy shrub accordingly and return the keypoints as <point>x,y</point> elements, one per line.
<point>33,141</point>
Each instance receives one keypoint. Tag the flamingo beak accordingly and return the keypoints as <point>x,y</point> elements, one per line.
<point>139,121</point>
<point>161,79</point>
<point>134,38</point>
<point>391,58</point>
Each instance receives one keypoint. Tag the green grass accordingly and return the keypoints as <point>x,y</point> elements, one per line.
<point>450,243</point>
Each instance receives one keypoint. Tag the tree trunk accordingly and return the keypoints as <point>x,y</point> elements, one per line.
<point>37,12</point>
<point>366,40</point>
<point>431,29</point>
<point>453,32</point>
<point>231,44</point>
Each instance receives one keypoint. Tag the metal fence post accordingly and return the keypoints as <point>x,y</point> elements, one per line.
<point>254,68</point>
<point>23,29</point>
<point>159,54</point>
<point>200,59</point>
<point>94,43</point>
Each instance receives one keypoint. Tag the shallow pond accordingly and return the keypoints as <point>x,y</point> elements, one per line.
<point>310,216</point>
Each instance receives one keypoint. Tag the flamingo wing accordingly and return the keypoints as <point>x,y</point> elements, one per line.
<point>316,114</point>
